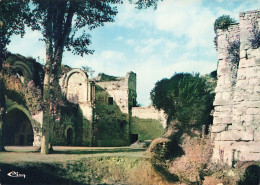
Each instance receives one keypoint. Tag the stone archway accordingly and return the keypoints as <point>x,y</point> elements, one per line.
<point>18,129</point>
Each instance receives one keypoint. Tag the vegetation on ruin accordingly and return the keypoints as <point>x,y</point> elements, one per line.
<point>13,18</point>
<point>111,125</point>
<point>27,94</point>
<point>223,22</point>
<point>255,40</point>
<point>233,50</point>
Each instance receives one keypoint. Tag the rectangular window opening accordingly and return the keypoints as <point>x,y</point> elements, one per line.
<point>110,100</point>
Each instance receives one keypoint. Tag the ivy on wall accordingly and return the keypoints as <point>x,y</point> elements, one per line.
<point>111,125</point>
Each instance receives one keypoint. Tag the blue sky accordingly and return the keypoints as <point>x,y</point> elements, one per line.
<point>177,37</point>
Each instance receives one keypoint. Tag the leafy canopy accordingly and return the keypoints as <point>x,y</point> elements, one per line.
<point>223,22</point>
<point>65,21</point>
<point>13,17</point>
<point>185,98</point>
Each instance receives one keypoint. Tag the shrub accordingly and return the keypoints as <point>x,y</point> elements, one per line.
<point>223,22</point>
<point>191,167</point>
<point>255,41</point>
<point>233,50</point>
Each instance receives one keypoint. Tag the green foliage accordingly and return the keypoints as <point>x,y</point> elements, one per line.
<point>234,52</point>
<point>143,4</point>
<point>14,15</point>
<point>147,129</point>
<point>186,99</point>
<point>223,22</point>
<point>88,70</point>
<point>255,41</point>
<point>27,95</point>
<point>110,123</point>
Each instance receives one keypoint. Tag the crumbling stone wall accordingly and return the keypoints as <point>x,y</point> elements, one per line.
<point>121,89</point>
<point>236,124</point>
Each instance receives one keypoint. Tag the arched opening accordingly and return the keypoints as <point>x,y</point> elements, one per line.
<point>20,75</point>
<point>69,136</point>
<point>18,130</point>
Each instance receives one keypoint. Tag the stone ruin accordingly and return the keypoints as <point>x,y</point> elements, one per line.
<point>236,124</point>
<point>88,103</point>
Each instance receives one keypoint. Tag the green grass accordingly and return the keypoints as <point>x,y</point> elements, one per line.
<point>78,165</point>
<point>147,129</point>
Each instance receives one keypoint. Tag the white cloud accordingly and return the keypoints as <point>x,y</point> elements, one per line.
<point>112,55</point>
<point>148,45</point>
<point>29,45</point>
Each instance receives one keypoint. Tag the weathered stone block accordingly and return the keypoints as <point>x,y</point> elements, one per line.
<point>257,135</point>
<point>242,83</point>
<point>236,135</point>
<point>247,118</point>
<point>238,111</point>
<point>223,108</point>
<point>218,128</point>
<point>216,120</point>
<point>228,79</point>
<point>242,65</point>
<point>222,114</point>
<point>226,95</point>
<point>257,119</point>
<point>217,137</point>
<point>223,88</point>
<point>236,127</point>
<point>252,104</point>
<point>252,111</point>
<point>257,89</point>
<point>242,54</point>
<point>220,102</point>
<point>254,97</point>
<point>251,62</point>
<point>226,120</point>
<point>254,81</point>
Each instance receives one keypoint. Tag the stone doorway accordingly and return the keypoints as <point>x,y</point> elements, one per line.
<point>18,129</point>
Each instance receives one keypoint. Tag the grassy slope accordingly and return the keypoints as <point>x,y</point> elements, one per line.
<point>147,129</point>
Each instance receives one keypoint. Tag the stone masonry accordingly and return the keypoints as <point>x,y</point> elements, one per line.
<point>236,124</point>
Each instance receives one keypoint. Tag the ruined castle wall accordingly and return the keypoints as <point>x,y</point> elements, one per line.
<point>149,113</point>
<point>122,91</point>
<point>236,125</point>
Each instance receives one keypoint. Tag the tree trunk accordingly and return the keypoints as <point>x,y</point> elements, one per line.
<point>46,125</point>
<point>2,112</point>
<point>45,141</point>
<point>2,101</point>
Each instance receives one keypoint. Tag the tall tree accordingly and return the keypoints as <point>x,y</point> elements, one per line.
<point>14,14</point>
<point>63,24</point>
<point>186,100</point>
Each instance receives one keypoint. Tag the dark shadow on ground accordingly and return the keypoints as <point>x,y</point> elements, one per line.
<point>251,176</point>
<point>35,173</point>
<point>67,150</point>
<point>97,151</point>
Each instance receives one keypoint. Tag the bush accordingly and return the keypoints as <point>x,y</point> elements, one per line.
<point>255,41</point>
<point>223,22</point>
